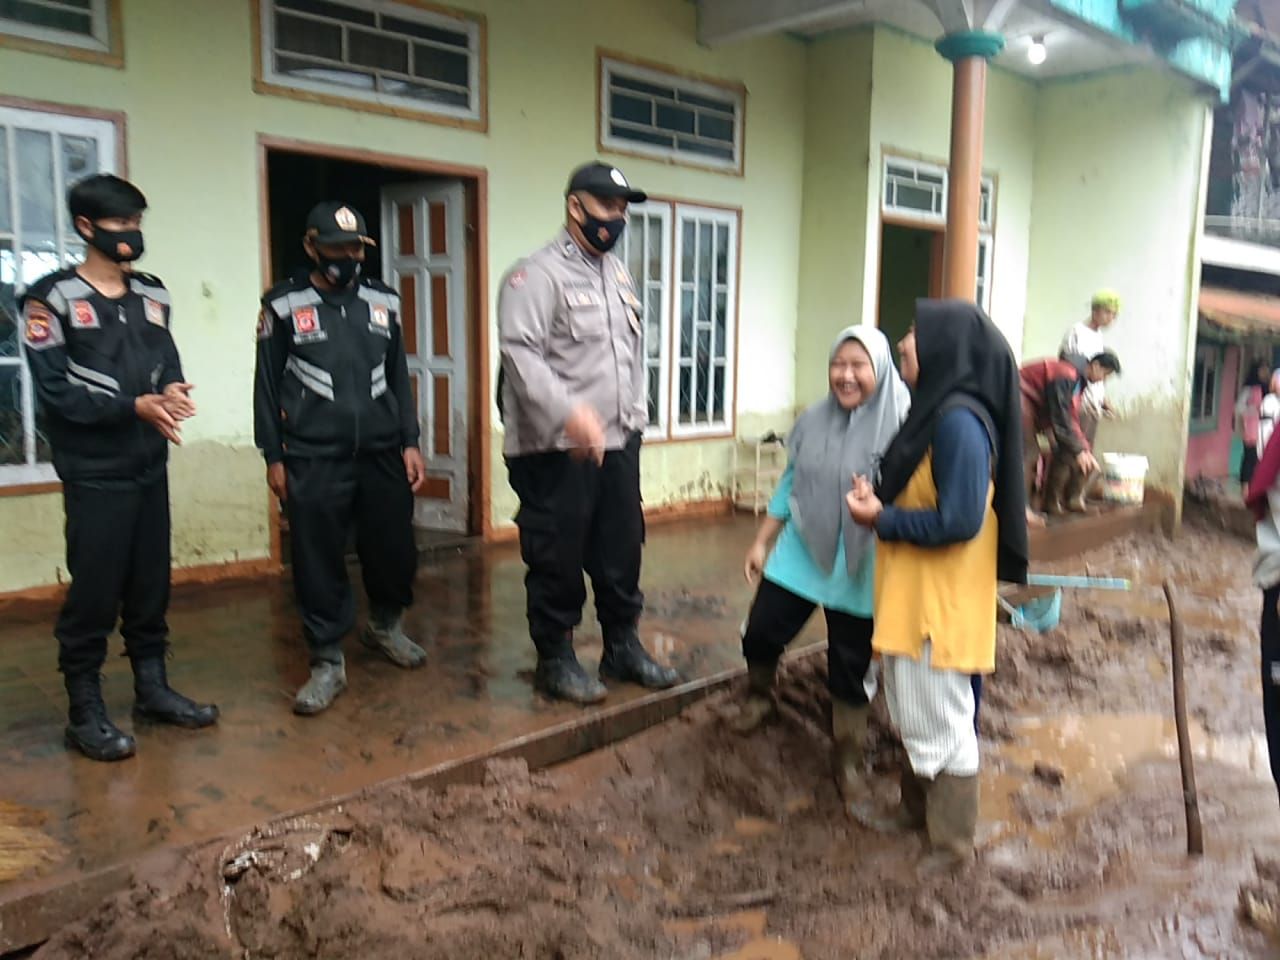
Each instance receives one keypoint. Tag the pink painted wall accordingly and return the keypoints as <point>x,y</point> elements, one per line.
<point>1209,453</point>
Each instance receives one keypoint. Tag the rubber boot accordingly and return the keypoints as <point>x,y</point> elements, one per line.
<point>563,678</point>
<point>848,759</point>
<point>328,679</point>
<point>759,706</point>
<point>89,729</point>
<point>912,810</point>
<point>1055,486</point>
<point>627,661</point>
<point>385,634</point>
<point>1073,497</point>
<point>157,702</point>
<point>952,821</point>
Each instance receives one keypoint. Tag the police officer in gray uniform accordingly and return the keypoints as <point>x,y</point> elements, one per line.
<point>574,403</point>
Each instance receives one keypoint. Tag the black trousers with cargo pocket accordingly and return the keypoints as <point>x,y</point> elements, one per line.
<point>324,498</point>
<point>118,558</point>
<point>575,516</point>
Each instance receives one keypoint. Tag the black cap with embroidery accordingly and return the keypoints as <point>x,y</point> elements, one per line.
<point>602,180</point>
<point>337,222</point>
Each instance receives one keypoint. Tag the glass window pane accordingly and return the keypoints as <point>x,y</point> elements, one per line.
<point>686,323</point>
<point>446,66</point>
<point>378,50</point>
<point>36,260</point>
<point>705,149</point>
<point>675,119</point>
<point>715,127</point>
<point>413,29</point>
<point>655,381</point>
<point>717,395</point>
<point>704,254</point>
<point>6,215</point>
<point>35,189</point>
<point>653,325</point>
<point>12,448</point>
<point>39,15</point>
<point>8,305</point>
<point>427,94</point>
<point>722,253</point>
<point>296,35</point>
<point>688,250</point>
<point>703,368</point>
<point>336,11</point>
<point>722,325</point>
<point>686,395</point>
<point>634,251</point>
<point>623,107</point>
<point>656,240</point>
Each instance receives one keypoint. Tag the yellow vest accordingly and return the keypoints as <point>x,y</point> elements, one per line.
<point>946,595</point>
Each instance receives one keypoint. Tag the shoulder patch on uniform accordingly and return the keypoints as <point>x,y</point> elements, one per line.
<point>155,312</point>
<point>517,278</point>
<point>266,323</point>
<point>41,327</point>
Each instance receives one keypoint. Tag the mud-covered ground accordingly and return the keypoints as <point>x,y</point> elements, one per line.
<point>691,842</point>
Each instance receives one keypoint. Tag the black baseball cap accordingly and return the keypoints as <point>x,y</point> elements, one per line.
<point>336,222</point>
<point>602,180</point>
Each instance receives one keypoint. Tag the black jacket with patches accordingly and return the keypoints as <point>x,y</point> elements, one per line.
<point>332,378</point>
<point>91,356</point>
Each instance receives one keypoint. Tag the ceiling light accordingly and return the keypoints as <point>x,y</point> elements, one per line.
<point>1036,53</point>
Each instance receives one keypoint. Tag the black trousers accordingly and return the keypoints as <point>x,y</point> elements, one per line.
<point>778,615</point>
<point>575,516</point>
<point>325,497</point>
<point>1271,677</point>
<point>118,557</point>
<point>1248,462</point>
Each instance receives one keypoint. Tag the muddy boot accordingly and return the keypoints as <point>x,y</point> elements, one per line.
<point>563,678</point>
<point>627,661</point>
<point>952,822</point>
<point>89,729</point>
<point>156,701</point>
<point>328,679</point>
<point>911,814</point>
<point>759,706</point>
<point>1074,495</point>
<point>848,760</point>
<point>385,634</point>
<point>1055,486</point>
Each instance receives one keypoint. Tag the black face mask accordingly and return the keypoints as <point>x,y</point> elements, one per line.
<point>592,227</point>
<point>122,246</point>
<point>340,271</point>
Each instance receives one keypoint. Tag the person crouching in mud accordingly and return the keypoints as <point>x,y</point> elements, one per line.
<point>819,556</point>
<point>950,514</point>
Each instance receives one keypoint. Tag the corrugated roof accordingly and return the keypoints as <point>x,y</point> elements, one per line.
<point>1241,312</point>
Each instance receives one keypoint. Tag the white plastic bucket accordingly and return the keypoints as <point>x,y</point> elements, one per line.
<point>1124,477</point>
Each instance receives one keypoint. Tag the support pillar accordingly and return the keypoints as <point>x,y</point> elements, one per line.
<point>969,52</point>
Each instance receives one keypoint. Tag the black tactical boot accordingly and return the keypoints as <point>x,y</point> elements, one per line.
<point>563,678</point>
<point>89,729</point>
<point>156,701</point>
<point>627,661</point>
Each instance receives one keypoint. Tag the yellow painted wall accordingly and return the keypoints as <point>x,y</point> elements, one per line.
<point>1118,176</point>
<point>193,120</point>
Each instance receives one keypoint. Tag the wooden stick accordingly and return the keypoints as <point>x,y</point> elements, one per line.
<point>1195,833</point>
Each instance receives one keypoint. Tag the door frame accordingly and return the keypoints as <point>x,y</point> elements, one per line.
<point>939,236</point>
<point>476,213</point>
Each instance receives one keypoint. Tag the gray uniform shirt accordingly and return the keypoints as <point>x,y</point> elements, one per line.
<point>569,331</point>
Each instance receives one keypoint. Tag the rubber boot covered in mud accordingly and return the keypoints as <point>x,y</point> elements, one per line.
<point>157,702</point>
<point>560,676</point>
<point>951,807</point>
<point>848,759</point>
<point>1055,486</point>
<point>626,660</point>
<point>911,814</point>
<point>328,679</point>
<point>1073,498</point>
<point>89,729</point>
<point>759,706</point>
<point>385,634</point>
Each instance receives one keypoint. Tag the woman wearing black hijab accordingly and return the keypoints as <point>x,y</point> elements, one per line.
<point>950,513</point>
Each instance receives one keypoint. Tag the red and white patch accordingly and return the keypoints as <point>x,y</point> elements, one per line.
<point>305,320</point>
<point>516,279</point>
<point>83,316</point>
<point>155,311</point>
<point>266,324</point>
<point>381,316</point>
<point>39,327</point>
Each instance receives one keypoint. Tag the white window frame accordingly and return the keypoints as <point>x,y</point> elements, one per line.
<point>100,40</point>
<point>609,66</point>
<point>717,217</point>
<point>460,22</point>
<point>986,213</point>
<point>105,133</point>
<point>645,289</point>
<point>1209,422</point>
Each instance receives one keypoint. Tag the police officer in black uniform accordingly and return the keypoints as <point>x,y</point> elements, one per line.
<point>109,380</point>
<point>335,418</point>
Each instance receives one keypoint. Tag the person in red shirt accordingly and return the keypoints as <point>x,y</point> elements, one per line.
<point>1051,394</point>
